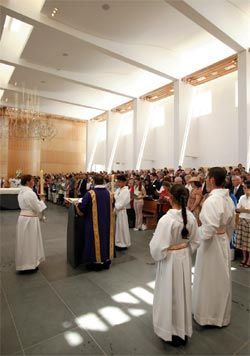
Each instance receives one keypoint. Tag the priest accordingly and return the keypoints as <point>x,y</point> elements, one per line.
<point>98,232</point>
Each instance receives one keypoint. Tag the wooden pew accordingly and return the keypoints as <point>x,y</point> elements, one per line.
<point>150,213</point>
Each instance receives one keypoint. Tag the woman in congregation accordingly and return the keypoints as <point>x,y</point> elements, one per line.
<point>175,239</point>
<point>139,194</point>
<point>195,197</point>
<point>29,243</point>
<point>243,227</point>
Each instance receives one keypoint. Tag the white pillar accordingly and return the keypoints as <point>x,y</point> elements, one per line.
<point>244,108</point>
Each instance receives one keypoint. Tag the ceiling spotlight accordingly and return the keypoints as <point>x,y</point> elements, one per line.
<point>105,7</point>
<point>171,90</point>
<point>53,14</point>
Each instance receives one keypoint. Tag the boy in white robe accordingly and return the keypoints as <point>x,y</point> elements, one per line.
<point>175,239</point>
<point>212,296</point>
<point>29,244</point>
<point>122,199</point>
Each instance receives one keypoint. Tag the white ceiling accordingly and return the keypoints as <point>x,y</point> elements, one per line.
<point>86,60</point>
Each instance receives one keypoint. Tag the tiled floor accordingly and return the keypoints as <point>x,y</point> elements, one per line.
<point>65,311</point>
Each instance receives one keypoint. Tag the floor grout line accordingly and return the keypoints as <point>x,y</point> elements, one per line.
<point>242,346</point>
<point>241,284</point>
<point>72,312</point>
<point>50,338</point>
<point>13,320</point>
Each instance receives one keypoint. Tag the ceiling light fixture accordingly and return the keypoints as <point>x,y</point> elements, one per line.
<point>154,97</point>
<point>230,67</point>
<point>171,90</point>
<point>200,79</point>
<point>214,73</point>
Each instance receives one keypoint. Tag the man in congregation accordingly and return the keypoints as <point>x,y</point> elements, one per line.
<point>98,233</point>
<point>122,199</point>
<point>212,289</point>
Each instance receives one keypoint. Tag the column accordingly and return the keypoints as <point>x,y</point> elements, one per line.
<point>244,108</point>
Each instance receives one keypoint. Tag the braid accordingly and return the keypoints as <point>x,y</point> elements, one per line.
<point>184,231</point>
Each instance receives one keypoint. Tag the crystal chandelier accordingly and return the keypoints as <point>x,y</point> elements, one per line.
<point>25,120</point>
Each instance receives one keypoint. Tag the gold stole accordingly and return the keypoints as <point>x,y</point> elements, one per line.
<point>96,228</point>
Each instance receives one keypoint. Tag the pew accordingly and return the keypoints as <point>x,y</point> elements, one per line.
<point>150,213</point>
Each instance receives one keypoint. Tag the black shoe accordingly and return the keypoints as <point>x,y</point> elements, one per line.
<point>177,341</point>
<point>118,248</point>
<point>28,271</point>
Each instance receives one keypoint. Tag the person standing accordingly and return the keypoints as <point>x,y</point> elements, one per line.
<point>122,199</point>
<point>98,235</point>
<point>212,296</point>
<point>243,227</point>
<point>175,239</point>
<point>139,194</point>
<point>29,244</point>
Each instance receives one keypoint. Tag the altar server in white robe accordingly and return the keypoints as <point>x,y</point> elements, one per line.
<point>212,295</point>
<point>29,244</point>
<point>175,239</point>
<point>122,199</point>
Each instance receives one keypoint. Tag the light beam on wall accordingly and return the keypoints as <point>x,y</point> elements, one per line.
<point>187,128</point>
<point>91,159</point>
<point>143,142</point>
<point>112,155</point>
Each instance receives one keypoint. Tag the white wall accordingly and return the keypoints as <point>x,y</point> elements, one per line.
<point>212,139</point>
<point>218,131</point>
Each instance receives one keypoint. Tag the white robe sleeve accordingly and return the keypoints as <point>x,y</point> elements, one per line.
<point>194,236</point>
<point>210,218</point>
<point>122,200</point>
<point>161,239</point>
<point>35,204</point>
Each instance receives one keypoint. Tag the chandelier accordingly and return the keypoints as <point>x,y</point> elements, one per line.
<point>25,120</point>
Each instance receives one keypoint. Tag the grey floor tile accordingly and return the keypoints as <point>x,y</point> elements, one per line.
<point>39,314</point>
<point>104,303</point>
<point>240,274</point>
<point>212,341</point>
<point>245,350</point>
<point>56,267</point>
<point>71,342</point>
<point>9,343</point>
<point>16,283</point>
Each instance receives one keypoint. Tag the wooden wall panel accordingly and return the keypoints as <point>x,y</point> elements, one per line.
<point>66,152</point>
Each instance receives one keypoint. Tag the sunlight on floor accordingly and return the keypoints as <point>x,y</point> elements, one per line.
<point>114,315</point>
<point>73,338</point>
<point>136,312</point>
<point>125,298</point>
<point>143,294</point>
<point>91,321</point>
<point>151,284</point>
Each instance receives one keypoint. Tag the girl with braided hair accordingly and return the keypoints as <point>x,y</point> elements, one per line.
<point>175,239</point>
